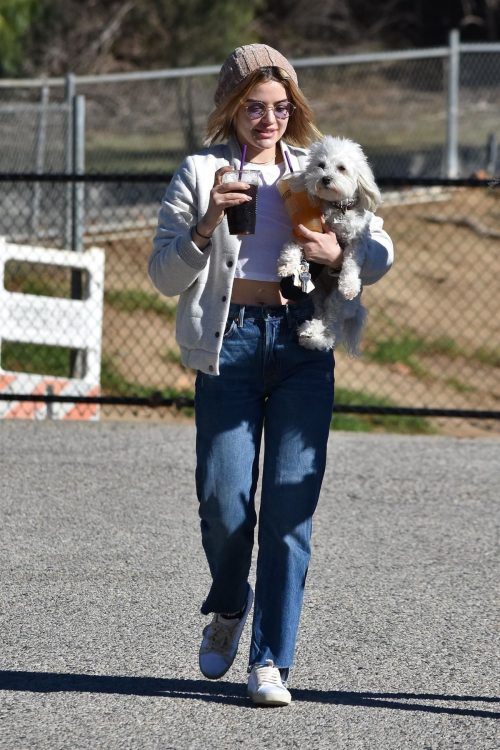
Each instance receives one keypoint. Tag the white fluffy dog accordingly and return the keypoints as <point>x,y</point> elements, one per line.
<point>337,174</point>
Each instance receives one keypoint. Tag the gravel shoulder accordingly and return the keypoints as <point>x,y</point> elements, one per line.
<point>103,574</point>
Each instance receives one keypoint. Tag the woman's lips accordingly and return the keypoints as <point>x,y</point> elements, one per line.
<point>266,133</point>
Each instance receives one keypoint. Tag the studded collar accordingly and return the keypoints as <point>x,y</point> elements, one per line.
<point>345,205</point>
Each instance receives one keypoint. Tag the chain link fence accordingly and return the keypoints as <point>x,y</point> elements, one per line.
<point>87,326</point>
<point>432,341</point>
<point>420,113</point>
<point>35,134</point>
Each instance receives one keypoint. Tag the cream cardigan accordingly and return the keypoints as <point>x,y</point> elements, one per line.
<point>204,279</point>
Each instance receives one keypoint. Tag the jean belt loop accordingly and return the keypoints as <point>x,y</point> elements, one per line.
<point>241,316</point>
<point>288,316</point>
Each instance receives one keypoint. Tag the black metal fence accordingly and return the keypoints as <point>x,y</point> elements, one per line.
<point>85,335</point>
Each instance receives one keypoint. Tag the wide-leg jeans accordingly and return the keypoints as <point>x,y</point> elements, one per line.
<point>268,384</point>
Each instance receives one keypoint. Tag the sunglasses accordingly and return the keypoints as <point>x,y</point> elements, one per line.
<point>256,110</point>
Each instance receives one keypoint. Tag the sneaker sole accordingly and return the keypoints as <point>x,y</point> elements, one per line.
<point>269,700</point>
<point>243,621</point>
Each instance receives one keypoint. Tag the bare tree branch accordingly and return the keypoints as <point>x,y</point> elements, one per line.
<point>100,47</point>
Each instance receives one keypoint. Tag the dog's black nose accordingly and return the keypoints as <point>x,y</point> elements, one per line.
<point>326,181</point>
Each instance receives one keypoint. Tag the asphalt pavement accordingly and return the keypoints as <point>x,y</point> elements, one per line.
<point>103,574</point>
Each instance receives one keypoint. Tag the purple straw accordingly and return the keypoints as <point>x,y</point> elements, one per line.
<point>243,154</point>
<point>288,160</point>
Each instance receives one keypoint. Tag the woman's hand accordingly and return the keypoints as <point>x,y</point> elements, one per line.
<point>320,248</point>
<point>222,196</point>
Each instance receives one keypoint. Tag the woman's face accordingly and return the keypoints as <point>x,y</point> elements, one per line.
<point>260,135</point>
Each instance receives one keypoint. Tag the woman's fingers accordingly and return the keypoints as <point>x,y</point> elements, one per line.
<point>230,194</point>
<point>223,196</point>
<point>305,232</point>
<point>232,186</point>
<point>232,199</point>
<point>326,227</point>
<point>219,175</point>
<point>220,172</point>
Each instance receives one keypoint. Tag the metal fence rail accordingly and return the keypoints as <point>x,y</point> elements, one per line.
<point>431,345</point>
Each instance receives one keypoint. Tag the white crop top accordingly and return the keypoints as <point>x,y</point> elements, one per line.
<point>259,252</point>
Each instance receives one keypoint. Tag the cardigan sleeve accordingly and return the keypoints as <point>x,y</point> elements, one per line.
<point>379,252</point>
<point>176,261</point>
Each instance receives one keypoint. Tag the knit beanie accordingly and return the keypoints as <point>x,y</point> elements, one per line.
<point>240,63</point>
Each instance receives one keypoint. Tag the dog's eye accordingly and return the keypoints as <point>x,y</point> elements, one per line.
<point>321,165</point>
<point>341,168</point>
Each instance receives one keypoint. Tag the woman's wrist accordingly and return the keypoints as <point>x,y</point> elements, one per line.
<point>206,227</point>
<point>202,234</point>
<point>200,242</point>
<point>336,266</point>
<point>336,263</point>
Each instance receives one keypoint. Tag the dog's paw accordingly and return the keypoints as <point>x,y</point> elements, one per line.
<point>312,334</point>
<point>349,288</point>
<point>289,259</point>
<point>287,268</point>
<point>349,293</point>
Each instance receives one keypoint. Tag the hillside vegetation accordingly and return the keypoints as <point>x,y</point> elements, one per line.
<point>52,37</point>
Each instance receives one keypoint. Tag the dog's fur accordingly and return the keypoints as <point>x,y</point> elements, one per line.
<point>337,171</point>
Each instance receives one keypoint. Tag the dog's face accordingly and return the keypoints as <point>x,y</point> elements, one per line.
<point>338,170</point>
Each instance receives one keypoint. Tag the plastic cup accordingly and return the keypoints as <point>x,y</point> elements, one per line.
<point>241,219</point>
<point>297,204</point>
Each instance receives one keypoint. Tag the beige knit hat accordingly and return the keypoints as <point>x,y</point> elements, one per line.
<point>240,63</point>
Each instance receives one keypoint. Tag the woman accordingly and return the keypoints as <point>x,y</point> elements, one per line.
<point>237,330</point>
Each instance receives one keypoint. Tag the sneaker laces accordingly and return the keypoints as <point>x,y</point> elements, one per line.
<point>218,635</point>
<point>268,673</point>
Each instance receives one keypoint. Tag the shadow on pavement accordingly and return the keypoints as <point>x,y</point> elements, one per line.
<point>392,700</point>
<point>230,692</point>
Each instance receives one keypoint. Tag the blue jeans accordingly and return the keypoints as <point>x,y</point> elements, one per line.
<point>266,382</point>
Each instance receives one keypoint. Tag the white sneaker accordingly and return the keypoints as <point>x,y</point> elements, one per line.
<point>220,642</point>
<point>265,686</point>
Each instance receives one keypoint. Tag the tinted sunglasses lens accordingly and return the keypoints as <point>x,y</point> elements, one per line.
<point>255,111</point>
<point>283,111</point>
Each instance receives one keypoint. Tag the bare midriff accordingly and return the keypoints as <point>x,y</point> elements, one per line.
<point>251,292</point>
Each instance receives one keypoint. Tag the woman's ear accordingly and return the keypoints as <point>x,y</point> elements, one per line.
<point>368,191</point>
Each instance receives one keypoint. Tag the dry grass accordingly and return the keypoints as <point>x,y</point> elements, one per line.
<point>436,313</point>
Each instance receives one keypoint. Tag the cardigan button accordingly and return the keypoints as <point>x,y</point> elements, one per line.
<point>224,298</point>
<point>211,368</point>
<point>229,263</point>
<point>217,334</point>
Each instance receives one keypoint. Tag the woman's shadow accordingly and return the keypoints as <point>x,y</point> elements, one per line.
<point>233,693</point>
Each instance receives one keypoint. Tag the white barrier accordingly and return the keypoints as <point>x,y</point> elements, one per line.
<point>53,321</point>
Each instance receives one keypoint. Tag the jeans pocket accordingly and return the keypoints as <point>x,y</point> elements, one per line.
<point>230,328</point>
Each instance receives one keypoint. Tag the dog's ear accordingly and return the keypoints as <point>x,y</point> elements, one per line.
<point>369,194</point>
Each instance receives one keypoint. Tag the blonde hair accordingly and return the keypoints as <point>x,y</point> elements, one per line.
<point>301,127</point>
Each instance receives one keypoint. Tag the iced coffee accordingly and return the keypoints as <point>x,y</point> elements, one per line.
<point>298,205</point>
<point>241,219</point>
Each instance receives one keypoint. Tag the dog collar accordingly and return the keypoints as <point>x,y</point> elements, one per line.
<point>344,206</point>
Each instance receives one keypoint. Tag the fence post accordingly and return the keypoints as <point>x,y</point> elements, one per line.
<point>77,358</point>
<point>186,112</point>
<point>452,160</point>
<point>39,156</point>
<point>68,164</point>
<point>78,188</point>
